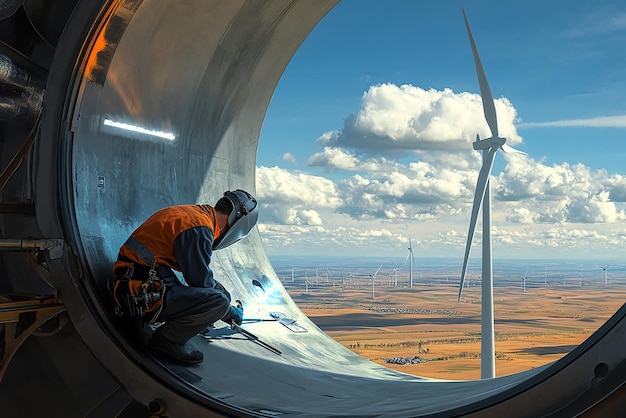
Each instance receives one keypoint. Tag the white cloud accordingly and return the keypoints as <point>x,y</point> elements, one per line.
<point>405,117</point>
<point>355,240</point>
<point>290,158</point>
<point>282,187</point>
<point>596,209</point>
<point>285,215</point>
<point>616,186</point>
<point>373,202</point>
<point>525,192</point>
<point>598,122</point>
<point>333,157</point>
<point>524,178</point>
<point>560,193</point>
<point>522,216</point>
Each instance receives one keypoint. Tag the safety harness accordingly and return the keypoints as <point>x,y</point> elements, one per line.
<point>138,290</point>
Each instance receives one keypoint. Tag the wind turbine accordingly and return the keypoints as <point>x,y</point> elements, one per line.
<point>410,258</point>
<point>605,271</point>
<point>374,280</point>
<point>482,195</point>
<point>292,272</point>
<point>395,272</point>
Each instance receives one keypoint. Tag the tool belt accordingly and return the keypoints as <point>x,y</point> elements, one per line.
<point>138,291</point>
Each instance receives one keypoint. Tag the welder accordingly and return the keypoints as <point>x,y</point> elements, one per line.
<point>181,238</point>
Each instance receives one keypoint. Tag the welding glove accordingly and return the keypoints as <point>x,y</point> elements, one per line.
<point>234,314</point>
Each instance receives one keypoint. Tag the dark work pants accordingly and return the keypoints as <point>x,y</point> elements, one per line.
<point>188,310</point>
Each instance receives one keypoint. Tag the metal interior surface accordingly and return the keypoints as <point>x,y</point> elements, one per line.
<point>135,105</point>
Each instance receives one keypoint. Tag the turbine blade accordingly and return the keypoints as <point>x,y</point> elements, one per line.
<point>479,194</point>
<point>510,150</point>
<point>378,270</point>
<point>489,106</point>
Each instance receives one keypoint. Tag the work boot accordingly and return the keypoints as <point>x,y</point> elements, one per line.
<point>182,352</point>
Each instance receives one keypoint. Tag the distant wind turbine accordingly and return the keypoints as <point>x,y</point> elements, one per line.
<point>373,276</point>
<point>605,271</point>
<point>292,272</point>
<point>482,195</point>
<point>410,258</point>
<point>395,272</point>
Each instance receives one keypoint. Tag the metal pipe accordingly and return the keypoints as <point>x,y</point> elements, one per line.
<point>21,85</point>
<point>27,244</point>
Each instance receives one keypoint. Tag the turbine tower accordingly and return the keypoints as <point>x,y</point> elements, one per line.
<point>482,195</point>
<point>395,272</point>
<point>410,258</point>
<point>374,280</point>
<point>605,271</point>
<point>292,273</point>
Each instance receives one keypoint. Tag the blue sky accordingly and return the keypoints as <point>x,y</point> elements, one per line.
<point>368,137</point>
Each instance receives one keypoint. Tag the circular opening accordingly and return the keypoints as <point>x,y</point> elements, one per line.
<point>366,160</point>
<point>168,111</point>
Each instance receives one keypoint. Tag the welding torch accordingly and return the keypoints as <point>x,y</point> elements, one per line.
<point>251,336</point>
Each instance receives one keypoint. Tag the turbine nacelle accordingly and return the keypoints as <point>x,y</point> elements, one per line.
<point>497,141</point>
<point>481,144</point>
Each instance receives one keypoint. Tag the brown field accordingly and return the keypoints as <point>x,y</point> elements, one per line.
<point>531,329</point>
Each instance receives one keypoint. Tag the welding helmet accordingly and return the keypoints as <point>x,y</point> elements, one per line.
<point>241,219</point>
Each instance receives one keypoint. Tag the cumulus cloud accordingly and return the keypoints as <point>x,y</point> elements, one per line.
<point>367,200</point>
<point>405,117</point>
<point>282,187</point>
<point>596,209</point>
<point>422,190</point>
<point>375,208</point>
<point>290,158</point>
<point>616,186</point>
<point>333,157</point>
<point>525,178</point>
<point>524,192</point>
<point>291,215</point>
<point>294,198</point>
<point>560,193</point>
<point>310,240</point>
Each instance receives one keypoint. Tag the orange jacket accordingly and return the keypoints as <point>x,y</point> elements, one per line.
<point>180,237</point>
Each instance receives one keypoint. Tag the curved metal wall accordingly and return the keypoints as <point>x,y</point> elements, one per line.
<point>200,73</point>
